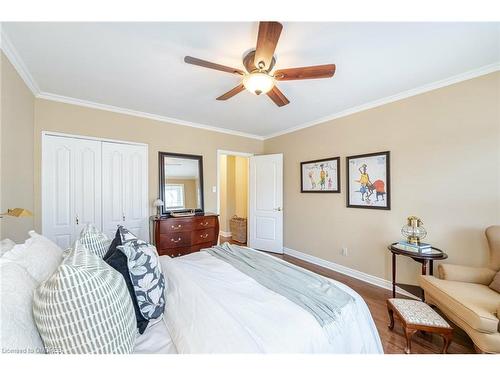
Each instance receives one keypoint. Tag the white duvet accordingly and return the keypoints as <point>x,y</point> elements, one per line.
<point>214,308</point>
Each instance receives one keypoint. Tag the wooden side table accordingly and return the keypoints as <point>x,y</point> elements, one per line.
<point>426,259</point>
<point>418,316</point>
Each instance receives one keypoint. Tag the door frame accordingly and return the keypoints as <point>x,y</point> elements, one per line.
<point>231,153</point>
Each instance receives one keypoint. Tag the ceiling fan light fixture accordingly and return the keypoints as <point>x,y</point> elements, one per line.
<point>258,82</point>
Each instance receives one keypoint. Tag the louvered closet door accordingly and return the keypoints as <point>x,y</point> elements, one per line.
<point>125,183</point>
<point>71,187</point>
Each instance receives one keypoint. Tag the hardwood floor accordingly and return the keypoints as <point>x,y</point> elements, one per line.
<point>393,341</point>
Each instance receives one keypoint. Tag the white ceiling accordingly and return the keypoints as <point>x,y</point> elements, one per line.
<point>139,66</point>
<point>181,168</point>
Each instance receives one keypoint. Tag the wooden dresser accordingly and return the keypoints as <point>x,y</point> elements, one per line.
<point>176,236</point>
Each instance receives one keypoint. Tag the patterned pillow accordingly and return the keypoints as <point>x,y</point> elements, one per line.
<point>146,276</point>
<point>94,240</point>
<point>84,307</point>
<point>126,235</point>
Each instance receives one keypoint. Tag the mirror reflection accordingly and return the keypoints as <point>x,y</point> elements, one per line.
<point>182,184</point>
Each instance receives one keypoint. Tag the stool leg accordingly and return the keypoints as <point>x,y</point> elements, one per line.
<point>409,332</point>
<point>391,318</point>
<point>447,340</point>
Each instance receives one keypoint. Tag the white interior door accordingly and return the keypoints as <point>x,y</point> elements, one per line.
<point>71,187</point>
<point>125,185</point>
<point>266,203</point>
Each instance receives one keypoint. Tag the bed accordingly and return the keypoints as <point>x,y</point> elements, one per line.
<point>214,308</point>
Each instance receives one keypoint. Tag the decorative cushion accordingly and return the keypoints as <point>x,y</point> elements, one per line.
<point>18,333</point>
<point>38,255</point>
<point>495,284</point>
<point>116,259</point>
<point>145,274</point>
<point>126,235</point>
<point>6,245</point>
<point>94,240</point>
<point>84,307</point>
<point>418,312</point>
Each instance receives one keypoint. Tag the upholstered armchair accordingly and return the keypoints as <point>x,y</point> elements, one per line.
<point>463,294</point>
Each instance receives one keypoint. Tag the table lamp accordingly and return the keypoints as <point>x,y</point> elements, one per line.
<point>158,203</point>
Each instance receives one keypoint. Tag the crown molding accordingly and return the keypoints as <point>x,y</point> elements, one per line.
<point>151,116</point>
<point>18,64</point>
<point>393,98</point>
<point>13,56</point>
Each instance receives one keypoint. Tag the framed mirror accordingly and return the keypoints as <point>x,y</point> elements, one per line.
<point>181,182</point>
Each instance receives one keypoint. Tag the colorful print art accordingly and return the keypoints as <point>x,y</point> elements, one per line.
<point>320,176</point>
<point>368,181</point>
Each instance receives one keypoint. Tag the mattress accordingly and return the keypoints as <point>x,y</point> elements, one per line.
<point>214,308</point>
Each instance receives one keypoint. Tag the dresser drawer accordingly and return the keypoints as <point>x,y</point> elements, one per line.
<point>204,222</point>
<point>175,225</point>
<point>175,239</point>
<point>204,235</point>
<point>175,252</point>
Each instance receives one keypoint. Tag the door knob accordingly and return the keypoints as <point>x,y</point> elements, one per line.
<point>277,209</point>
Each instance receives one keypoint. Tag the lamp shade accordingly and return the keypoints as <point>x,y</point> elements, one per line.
<point>18,212</point>
<point>158,203</point>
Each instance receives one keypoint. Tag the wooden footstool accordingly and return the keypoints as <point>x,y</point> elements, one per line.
<point>418,316</point>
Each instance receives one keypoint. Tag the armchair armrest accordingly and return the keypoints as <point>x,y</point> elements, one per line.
<point>476,275</point>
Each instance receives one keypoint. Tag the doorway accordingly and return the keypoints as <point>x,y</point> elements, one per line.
<point>232,196</point>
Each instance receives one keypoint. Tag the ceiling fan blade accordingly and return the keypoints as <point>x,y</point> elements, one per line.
<point>232,92</point>
<point>306,72</point>
<point>211,65</point>
<point>277,97</point>
<point>269,34</point>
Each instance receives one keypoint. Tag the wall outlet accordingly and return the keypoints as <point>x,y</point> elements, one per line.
<point>214,189</point>
<point>344,251</point>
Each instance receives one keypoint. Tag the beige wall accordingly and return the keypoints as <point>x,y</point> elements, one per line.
<point>190,195</point>
<point>160,136</point>
<point>233,182</point>
<point>17,108</point>
<point>445,168</point>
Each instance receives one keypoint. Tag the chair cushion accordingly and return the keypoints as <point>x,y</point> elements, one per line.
<point>18,333</point>
<point>495,284</point>
<point>476,304</point>
<point>38,255</point>
<point>84,307</point>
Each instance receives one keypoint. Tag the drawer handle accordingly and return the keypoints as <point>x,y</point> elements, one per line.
<point>204,235</point>
<point>179,254</point>
<point>176,226</point>
<point>177,240</point>
<point>204,224</point>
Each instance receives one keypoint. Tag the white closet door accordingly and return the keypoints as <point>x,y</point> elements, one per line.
<point>71,188</point>
<point>125,185</point>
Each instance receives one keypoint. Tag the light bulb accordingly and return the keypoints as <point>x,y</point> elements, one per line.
<point>258,83</point>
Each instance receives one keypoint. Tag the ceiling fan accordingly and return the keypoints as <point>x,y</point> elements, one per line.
<point>259,62</point>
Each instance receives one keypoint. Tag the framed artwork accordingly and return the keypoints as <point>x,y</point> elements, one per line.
<point>368,181</point>
<point>320,176</point>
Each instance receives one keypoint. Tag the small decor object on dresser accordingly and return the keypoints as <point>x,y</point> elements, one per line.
<point>320,176</point>
<point>368,181</point>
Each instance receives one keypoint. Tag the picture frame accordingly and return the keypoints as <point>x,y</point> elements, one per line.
<point>320,176</point>
<point>369,181</point>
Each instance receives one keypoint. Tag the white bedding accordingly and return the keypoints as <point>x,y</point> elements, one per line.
<point>155,340</point>
<point>213,308</point>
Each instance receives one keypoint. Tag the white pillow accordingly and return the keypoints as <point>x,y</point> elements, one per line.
<point>6,245</point>
<point>18,333</point>
<point>38,255</point>
<point>85,307</point>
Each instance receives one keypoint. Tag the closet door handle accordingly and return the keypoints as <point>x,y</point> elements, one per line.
<point>76,219</point>
<point>123,217</point>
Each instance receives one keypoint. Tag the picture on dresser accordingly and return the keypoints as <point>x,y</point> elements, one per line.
<point>180,182</point>
<point>320,176</point>
<point>368,181</point>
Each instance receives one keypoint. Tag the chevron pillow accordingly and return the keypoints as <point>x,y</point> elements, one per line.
<point>85,307</point>
<point>94,240</point>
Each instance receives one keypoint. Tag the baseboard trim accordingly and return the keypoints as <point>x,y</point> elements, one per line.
<point>370,279</point>
<point>225,234</point>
